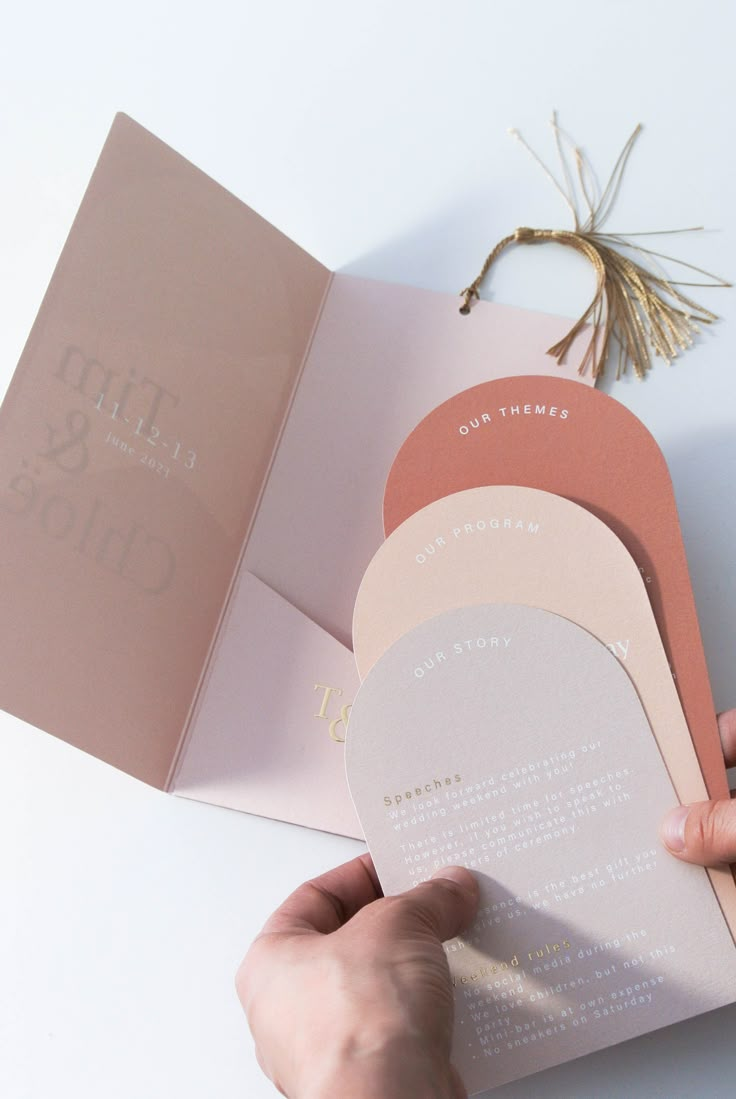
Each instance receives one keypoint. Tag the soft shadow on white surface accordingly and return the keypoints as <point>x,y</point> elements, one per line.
<point>703,468</point>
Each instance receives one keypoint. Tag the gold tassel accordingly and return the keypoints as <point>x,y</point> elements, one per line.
<point>635,307</point>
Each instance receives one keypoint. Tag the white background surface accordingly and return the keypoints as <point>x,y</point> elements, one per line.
<point>375,135</point>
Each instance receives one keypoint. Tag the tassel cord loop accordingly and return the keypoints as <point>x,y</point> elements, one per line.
<point>642,311</point>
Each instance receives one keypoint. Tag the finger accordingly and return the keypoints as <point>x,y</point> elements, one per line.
<point>446,904</point>
<point>704,833</point>
<point>459,1091</point>
<point>325,903</point>
<point>727,730</point>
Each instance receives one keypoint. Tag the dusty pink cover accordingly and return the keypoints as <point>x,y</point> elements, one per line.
<point>114,573</point>
<point>166,415</point>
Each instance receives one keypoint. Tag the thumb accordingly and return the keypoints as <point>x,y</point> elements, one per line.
<point>446,903</point>
<point>704,833</point>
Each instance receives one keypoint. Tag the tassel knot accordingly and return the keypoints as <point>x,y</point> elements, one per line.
<point>640,310</point>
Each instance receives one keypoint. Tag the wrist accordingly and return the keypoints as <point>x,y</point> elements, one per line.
<point>393,1069</point>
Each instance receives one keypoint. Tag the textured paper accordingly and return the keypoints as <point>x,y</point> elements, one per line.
<point>532,762</point>
<point>577,442</point>
<point>507,543</point>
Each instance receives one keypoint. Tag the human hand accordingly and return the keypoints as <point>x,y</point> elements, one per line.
<point>348,993</point>
<point>705,832</point>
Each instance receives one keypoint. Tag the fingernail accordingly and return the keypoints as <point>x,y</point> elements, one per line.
<point>458,874</point>
<point>673,828</point>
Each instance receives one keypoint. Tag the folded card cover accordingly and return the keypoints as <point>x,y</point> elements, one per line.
<point>136,434</point>
<point>509,740</point>
<point>200,403</point>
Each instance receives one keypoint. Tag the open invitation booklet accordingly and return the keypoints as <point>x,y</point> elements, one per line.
<point>197,450</point>
<point>193,453</point>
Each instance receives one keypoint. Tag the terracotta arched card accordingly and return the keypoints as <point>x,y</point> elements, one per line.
<point>532,762</point>
<point>577,442</point>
